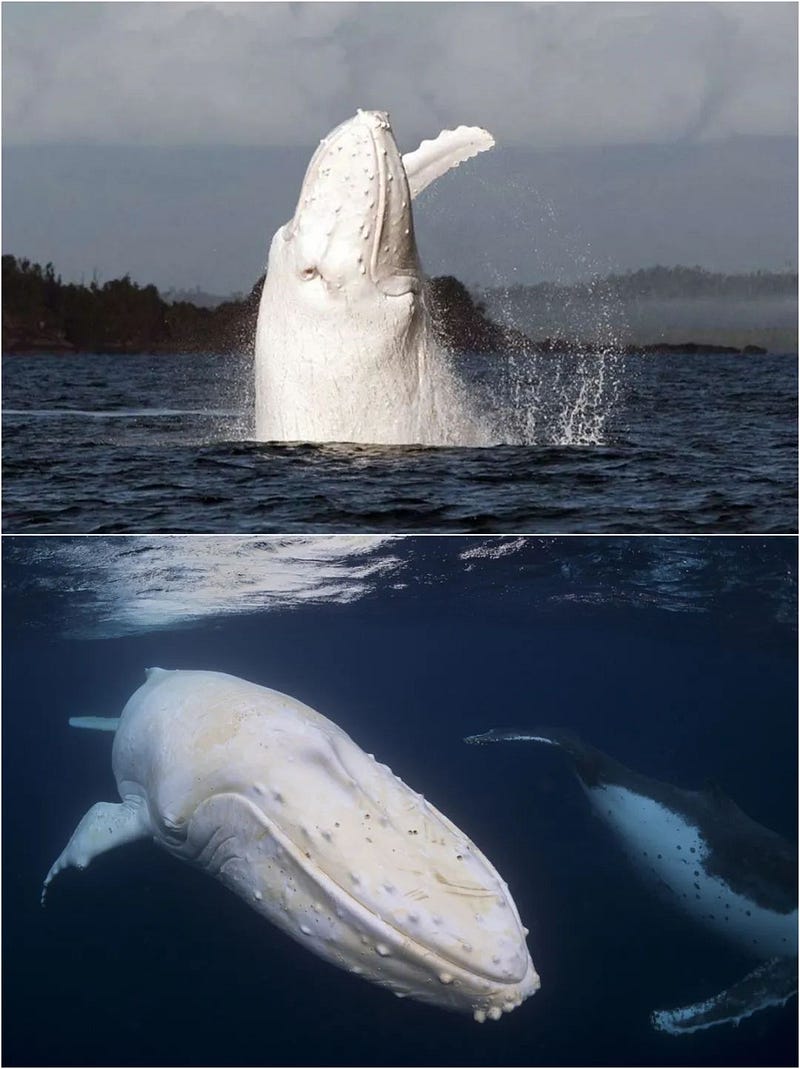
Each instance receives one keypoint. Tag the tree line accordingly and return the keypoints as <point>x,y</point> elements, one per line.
<point>40,311</point>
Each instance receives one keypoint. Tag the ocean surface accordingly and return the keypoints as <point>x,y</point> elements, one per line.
<point>677,656</point>
<point>104,444</point>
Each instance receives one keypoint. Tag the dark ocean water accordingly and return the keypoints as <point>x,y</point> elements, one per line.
<point>678,656</point>
<point>140,444</point>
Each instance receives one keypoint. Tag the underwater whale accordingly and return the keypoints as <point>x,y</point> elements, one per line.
<point>720,867</point>
<point>344,346</point>
<point>276,801</point>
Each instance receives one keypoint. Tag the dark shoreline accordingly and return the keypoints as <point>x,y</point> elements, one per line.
<point>42,315</point>
<point>555,347</point>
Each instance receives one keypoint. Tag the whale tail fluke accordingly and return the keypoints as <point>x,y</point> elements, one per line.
<point>95,723</point>
<point>771,984</point>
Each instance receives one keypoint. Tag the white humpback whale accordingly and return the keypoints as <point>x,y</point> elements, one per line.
<point>715,863</point>
<point>278,803</point>
<point>344,347</point>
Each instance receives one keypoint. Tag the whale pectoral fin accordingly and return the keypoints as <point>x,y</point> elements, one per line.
<point>771,984</point>
<point>95,723</point>
<point>106,825</point>
<point>512,735</point>
<point>435,157</point>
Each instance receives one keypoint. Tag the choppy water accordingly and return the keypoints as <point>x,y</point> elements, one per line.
<point>636,444</point>
<point>678,656</point>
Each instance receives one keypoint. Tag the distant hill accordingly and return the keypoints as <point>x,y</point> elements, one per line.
<point>199,298</point>
<point>665,283</point>
<point>658,305</point>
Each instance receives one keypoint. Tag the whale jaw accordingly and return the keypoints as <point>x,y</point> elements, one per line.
<point>353,227</point>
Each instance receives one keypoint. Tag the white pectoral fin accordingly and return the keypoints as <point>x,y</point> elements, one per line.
<point>106,825</point>
<point>771,984</point>
<point>434,158</point>
<point>95,723</point>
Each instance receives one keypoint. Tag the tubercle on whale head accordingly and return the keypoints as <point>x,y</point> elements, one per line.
<point>353,227</point>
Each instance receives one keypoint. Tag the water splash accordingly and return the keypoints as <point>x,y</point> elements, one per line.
<point>393,384</point>
<point>563,397</point>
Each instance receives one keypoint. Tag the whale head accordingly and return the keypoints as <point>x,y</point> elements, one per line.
<point>352,232</point>
<point>345,346</point>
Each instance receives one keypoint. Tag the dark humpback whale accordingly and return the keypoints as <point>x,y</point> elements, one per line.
<point>719,866</point>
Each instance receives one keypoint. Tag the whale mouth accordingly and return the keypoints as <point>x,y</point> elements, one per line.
<point>353,223</point>
<point>294,883</point>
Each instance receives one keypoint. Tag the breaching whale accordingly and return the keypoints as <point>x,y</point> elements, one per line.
<point>344,347</point>
<point>277,802</point>
<point>719,866</point>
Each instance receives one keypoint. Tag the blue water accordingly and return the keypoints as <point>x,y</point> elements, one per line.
<point>103,444</point>
<point>678,656</point>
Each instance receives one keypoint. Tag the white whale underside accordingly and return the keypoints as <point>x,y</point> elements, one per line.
<point>357,376</point>
<point>277,802</point>
<point>668,851</point>
<point>666,848</point>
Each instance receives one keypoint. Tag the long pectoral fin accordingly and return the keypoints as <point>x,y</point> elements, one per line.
<point>106,825</point>
<point>771,984</point>
<point>95,723</point>
<point>434,158</point>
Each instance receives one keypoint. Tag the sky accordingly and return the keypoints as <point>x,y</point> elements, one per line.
<point>169,140</point>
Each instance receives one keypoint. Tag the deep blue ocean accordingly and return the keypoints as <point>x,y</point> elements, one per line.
<point>106,444</point>
<point>677,656</point>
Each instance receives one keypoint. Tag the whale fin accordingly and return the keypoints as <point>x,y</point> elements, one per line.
<point>550,738</point>
<point>435,157</point>
<point>591,765</point>
<point>106,825</point>
<point>95,723</point>
<point>771,984</point>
